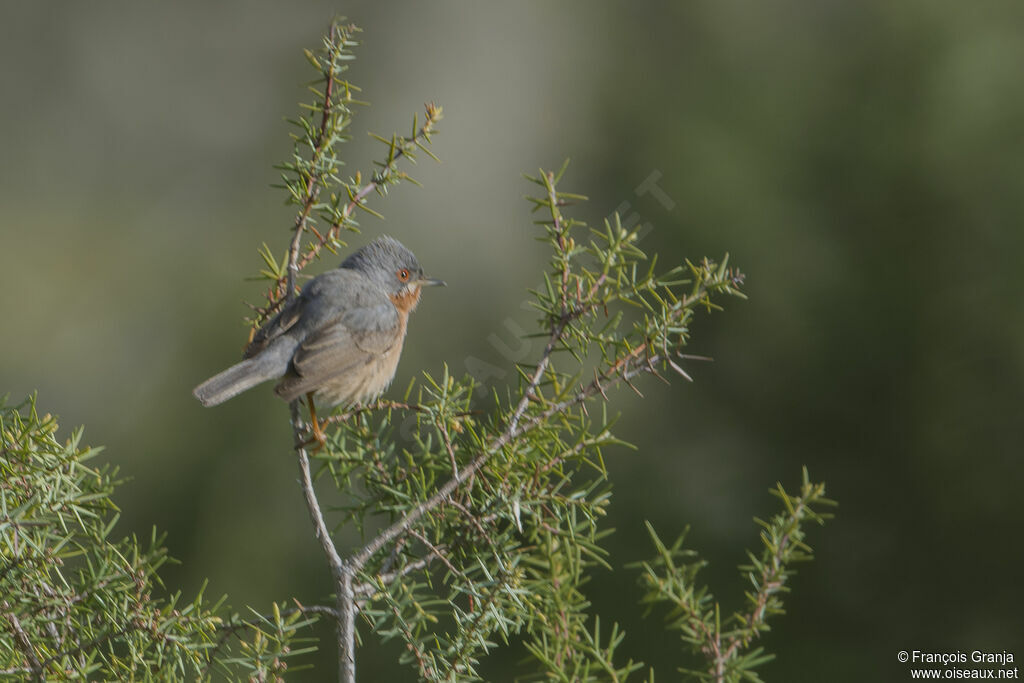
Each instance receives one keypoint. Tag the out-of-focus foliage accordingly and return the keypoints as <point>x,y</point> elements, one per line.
<point>79,603</point>
<point>728,646</point>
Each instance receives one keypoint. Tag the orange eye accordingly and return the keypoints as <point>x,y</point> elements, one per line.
<point>403,274</point>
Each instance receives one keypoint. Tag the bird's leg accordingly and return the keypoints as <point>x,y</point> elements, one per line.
<point>318,434</point>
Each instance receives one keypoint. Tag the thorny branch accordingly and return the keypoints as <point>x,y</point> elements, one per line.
<point>320,165</point>
<point>284,288</point>
<point>357,198</point>
<point>342,577</point>
<point>366,589</point>
<point>771,580</point>
<point>232,627</point>
<point>312,184</point>
<point>724,643</point>
<point>385,405</point>
<point>24,644</point>
<point>638,360</point>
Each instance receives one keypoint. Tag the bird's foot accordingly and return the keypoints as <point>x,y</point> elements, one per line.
<point>316,428</point>
<point>317,440</point>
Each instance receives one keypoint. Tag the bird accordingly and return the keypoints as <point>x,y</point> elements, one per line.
<point>339,340</point>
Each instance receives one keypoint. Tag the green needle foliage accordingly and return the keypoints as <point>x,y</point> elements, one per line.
<point>480,509</point>
<point>494,514</point>
<point>79,603</point>
<point>312,180</point>
<point>671,578</point>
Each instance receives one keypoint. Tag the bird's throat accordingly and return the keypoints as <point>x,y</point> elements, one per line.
<point>406,301</point>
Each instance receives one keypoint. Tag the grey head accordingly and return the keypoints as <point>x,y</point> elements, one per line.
<point>387,262</point>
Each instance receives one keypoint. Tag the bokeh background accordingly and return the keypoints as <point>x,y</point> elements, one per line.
<point>862,162</point>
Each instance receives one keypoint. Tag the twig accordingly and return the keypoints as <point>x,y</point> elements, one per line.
<point>385,404</point>
<point>231,628</point>
<point>403,525</point>
<point>436,552</point>
<point>771,580</point>
<point>368,588</point>
<point>24,644</point>
<point>313,180</point>
<point>356,200</point>
<point>341,571</point>
<point>90,646</point>
<point>622,370</point>
<point>392,556</point>
<point>560,229</point>
<point>473,520</point>
<point>448,444</point>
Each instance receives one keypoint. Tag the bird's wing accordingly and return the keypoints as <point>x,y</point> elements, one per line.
<point>276,326</point>
<point>366,328</point>
<point>319,303</point>
<point>353,337</point>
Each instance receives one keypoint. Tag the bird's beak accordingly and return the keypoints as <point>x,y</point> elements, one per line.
<point>431,282</point>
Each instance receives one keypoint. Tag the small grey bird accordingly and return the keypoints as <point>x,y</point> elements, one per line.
<point>340,339</point>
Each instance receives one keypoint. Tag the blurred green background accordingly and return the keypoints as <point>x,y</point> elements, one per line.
<point>862,162</point>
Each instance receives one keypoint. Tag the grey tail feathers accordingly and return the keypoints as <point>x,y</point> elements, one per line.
<point>237,379</point>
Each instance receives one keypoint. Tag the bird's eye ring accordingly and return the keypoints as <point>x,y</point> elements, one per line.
<point>403,274</point>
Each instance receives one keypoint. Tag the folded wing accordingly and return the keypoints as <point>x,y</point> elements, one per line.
<point>328,359</point>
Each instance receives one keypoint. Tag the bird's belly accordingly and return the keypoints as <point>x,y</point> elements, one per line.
<point>361,384</point>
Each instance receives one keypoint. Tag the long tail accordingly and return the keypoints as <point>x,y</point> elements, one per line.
<point>240,377</point>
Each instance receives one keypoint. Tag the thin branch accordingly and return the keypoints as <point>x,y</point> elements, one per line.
<point>356,200</point>
<point>560,229</point>
<point>311,609</point>
<point>477,523</point>
<point>312,189</point>
<point>403,525</point>
<point>24,644</point>
<point>771,580</point>
<point>232,628</point>
<point>446,437</point>
<point>370,587</point>
<point>411,644</point>
<point>341,574</point>
<point>299,608</point>
<point>341,571</point>
<point>312,503</point>
<point>91,645</point>
<point>436,552</point>
<point>17,561</point>
<point>385,404</point>
<point>630,365</point>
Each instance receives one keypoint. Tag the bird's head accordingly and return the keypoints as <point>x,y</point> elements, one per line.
<point>389,264</point>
